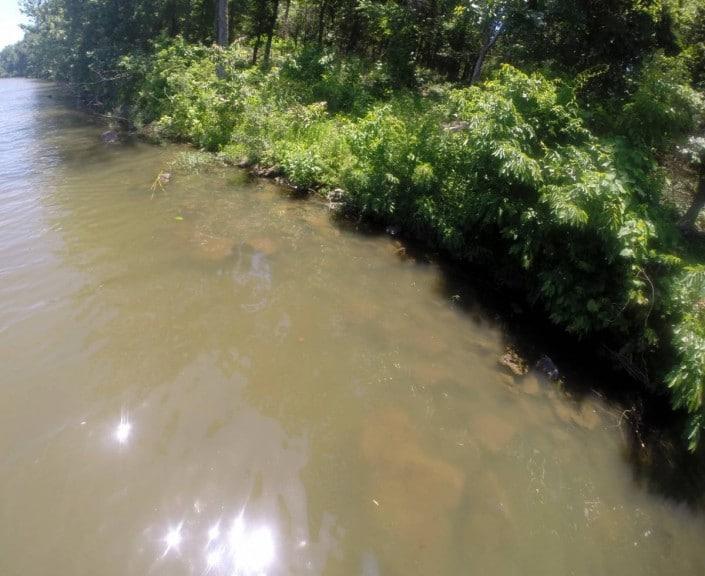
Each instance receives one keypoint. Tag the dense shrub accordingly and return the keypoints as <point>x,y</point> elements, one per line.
<point>663,105</point>
<point>178,88</point>
<point>347,85</point>
<point>389,146</point>
<point>518,170</point>
<point>687,379</point>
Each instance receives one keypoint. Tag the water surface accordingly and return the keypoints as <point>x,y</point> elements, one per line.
<point>214,378</point>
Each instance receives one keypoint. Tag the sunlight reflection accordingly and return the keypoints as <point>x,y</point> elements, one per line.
<point>123,430</point>
<point>214,558</point>
<point>243,549</point>
<point>173,539</point>
<point>252,550</point>
<point>214,533</point>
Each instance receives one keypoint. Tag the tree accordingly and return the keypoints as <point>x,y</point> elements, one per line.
<point>222,28</point>
<point>492,16</point>
<point>271,24</point>
<point>14,60</point>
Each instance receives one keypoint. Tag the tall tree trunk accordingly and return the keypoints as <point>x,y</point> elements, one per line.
<point>494,30</point>
<point>173,12</point>
<point>435,37</point>
<point>221,20</point>
<point>354,34</point>
<point>297,32</point>
<point>479,64</point>
<point>231,19</point>
<point>321,21</point>
<point>285,24</point>
<point>270,32</point>
<point>691,217</point>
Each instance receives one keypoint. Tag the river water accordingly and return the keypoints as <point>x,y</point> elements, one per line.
<point>214,378</point>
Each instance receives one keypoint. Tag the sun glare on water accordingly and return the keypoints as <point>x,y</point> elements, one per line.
<point>123,431</point>
<point>242,550</point>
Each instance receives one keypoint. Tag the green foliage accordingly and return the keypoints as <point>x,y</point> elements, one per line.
<point>523,171</point>
<point>392,26</point>
<point>300,139</point>
<point>612,36</point>
<point>14,60</point>
<point>664,106</point>
<point>193,104</point>
<point>690,27</point>
<point>347,85</point>
<point>687,379</point>
<point>82,42</point>
<point>390,147</point>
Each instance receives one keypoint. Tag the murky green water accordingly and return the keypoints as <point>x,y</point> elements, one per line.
<point>215,379</point>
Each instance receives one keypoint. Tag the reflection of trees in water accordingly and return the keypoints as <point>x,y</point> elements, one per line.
<point>65,137</point>
<point>176,316</point>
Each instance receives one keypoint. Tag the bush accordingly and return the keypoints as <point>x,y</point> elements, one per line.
<point>388,146</point>
<point>180,90</point>
<point>523,174</point>
<point>687,379</point>
<point>664,106</point>
<point>347,85</point>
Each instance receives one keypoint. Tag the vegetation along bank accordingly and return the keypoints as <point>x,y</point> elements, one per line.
<point>557,143</point>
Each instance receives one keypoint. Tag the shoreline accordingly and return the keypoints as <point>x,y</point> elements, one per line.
<point>650,429</point>
<point>654,427</point>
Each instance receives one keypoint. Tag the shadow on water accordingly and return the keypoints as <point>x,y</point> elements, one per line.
<point>652,433</point>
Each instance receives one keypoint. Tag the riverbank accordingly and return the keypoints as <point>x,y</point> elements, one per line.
<point>650,431</point>
<point>506,176</point>
<point>577,369</point>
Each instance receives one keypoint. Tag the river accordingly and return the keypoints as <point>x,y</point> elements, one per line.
<point>211,377</point>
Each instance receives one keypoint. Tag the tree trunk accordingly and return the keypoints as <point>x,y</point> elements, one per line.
<point>231,19</point>
<point>354,35</point>
<point>321,21</point>
<point>270,32</point>
<point>267,48</point>
<point>494,31</point>
<point>691,217</point>
<point>256,49</point>
<point>173,12</point>
<point>221,22</point>
<point>479,63</point>
<point>285,25</point>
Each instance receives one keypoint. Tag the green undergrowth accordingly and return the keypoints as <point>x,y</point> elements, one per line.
<point>505,174</point>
